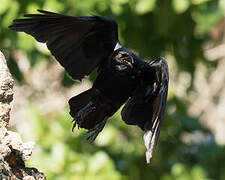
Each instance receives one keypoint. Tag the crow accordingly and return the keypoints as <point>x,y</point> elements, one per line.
<point>84,43</point>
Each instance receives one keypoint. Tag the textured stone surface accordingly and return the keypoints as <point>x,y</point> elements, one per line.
<point>6,92</point>
<point>13,152</point>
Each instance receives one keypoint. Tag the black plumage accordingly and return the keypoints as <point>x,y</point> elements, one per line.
<point>81,44</point>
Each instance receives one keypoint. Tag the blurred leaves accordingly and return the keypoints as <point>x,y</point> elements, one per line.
<point>64,152</point>
<point>206,16</point>
<point>181,5</point>
<point>144,6</point>
<point>180,171</point>
<point>10,14</point>
<point>4,5</point>
<point>26,42</point>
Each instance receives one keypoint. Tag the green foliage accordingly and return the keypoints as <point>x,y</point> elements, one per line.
<point>181,6</point>
<point>171,28</point>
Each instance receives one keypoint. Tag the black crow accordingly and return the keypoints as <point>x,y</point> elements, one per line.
<point>81,44</point>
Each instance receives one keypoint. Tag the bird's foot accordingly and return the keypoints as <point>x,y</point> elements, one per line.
<point>93,132</point>
<point>79,117</point>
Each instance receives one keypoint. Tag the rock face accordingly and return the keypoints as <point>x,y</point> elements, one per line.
<point>6,92</point>
<point>13,152</point>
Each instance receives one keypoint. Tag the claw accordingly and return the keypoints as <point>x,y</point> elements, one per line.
<point>79,117</point>
<point>93,132</point>
<point>75,123</point>
<point>92,137</point>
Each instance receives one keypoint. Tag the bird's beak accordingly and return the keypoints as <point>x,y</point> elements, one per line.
<point>127,63</point>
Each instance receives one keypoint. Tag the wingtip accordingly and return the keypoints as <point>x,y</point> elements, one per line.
<point>12,27</point>
<point>148,157</point>
<point>46,12</point>
<point>41,11</point>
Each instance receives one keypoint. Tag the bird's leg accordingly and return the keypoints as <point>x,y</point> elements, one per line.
<point>93,132</point>
<point>79,117</point>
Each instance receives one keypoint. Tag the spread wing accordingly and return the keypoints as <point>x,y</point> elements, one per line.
<point>146,108</point>
<point>79,43</point>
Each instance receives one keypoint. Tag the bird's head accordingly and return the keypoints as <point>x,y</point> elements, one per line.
<point>123,61</point>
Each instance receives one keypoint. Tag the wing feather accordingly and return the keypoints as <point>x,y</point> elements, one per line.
<point>147,107</point>
<point>79,43</point>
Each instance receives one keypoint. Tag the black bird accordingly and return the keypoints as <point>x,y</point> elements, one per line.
<point>81,44</point>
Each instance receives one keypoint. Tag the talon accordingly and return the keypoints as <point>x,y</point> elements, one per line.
<point>92,137</point>
<point>90,130</point>
<point>75,123</point>
<point>79,117</point>
<point>93,132</point>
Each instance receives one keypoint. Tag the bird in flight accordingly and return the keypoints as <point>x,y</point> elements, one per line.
<point>83,43</point>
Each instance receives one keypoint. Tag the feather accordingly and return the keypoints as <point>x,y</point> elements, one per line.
<point>79,43</point>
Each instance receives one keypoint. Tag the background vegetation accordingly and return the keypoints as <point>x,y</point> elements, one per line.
<point>189,33</point>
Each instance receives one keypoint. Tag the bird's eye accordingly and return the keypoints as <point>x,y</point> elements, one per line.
<point>123,55</point>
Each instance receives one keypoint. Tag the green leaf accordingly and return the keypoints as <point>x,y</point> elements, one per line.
<point>197,2</point>
<point>11,14</point>
<point>4,5</point>
<point>207,18</point>
<point>26,42</point>
<point>180,6</point>
<point>32,8</point>
<point>145,6</point>
<point>198,172</point>
<point>116,8</point>
<point>53,5</point>
<point>222,5</point>
<point>178,169</point>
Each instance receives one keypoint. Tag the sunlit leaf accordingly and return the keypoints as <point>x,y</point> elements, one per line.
<point>58,157</point>
<point>53,5</point>
<point>198,173</point>
<point>178,169</point>
<point>42,47</point>
<point>144,6</point>
<point>32,8</point>
<point>11,14</point>
<point>106,137</point>
<point>116,9</point>
<point>222,5</point>
<point>26,42</point>
<point>120,1</point>
<point>207,19</point>
<point>180,6</point>
<point>197,2</point>
<point>4,5</point>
